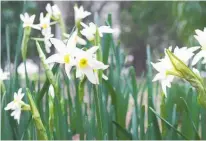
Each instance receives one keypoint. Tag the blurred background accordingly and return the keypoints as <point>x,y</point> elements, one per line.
<point>137,24</point>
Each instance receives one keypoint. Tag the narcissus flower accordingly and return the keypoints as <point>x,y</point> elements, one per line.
<point>87,64</point>
<point>78,39</point>
<point>16,105</point>
<point>90,31</point>
<point>28,21</point>
<point>53,11</point>
<point>3,75</point>
<point>65,53</point>
<point>165,65</point>
<point>201,54</point>
<point>45,24</point>
<point>80,14</point>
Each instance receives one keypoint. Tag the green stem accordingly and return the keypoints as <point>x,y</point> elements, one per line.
<point>27,31</point>
<point>62,27</point>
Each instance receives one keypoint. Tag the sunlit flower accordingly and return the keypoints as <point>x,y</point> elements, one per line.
<point>65,53</point>
<point>80,13</point>
<point>31,67</point>
<point>90,31</point>
<point>28,21</point>
<point>51,91</point>
<point>16,105</point>
<point>53,11</point>
<point>87,64</point>
<point>3,75</point>
<point>47,42</point>
<point>45,24</point>
<point>78,39</point>
<point>164,65</point>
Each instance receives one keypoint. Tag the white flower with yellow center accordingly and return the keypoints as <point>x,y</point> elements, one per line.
<point>78,39</point>
<point>16,105</point>
<point>28,21</point>
<point>201,38</point>
<point>165,65</point>
<point>3,75</point>
<point>53,11</point>
<point>65,53</point>
<point>45,24</point>
<point>90,31</point>
<point>86,64</point>
<point>80,14</point>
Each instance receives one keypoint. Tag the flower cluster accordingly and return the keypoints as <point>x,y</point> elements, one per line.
<point>165,67</point>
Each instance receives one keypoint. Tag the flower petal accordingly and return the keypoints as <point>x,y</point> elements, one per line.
<point>55,58</point>
<point>90,75</point>
<point>58,44</point>
<point>68,69</point>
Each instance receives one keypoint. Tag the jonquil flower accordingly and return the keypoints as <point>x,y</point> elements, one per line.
<point>65,53</point>
<point>16,105</point>
<point>3,75</point>
<point>80,14</point>
<point>28,21</point>
<point>201,38</point>
<point>45,24</point>
<point>90,31</point>
<point>87,64</point>
<point>53,11</point>
<point>164,66</point>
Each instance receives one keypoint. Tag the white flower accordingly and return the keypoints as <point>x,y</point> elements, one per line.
<point>65,53</point>
<point>45,24</point>
<point>201,54</point>
<point>47,42</point>
<point>87,64</point>
<point>28,21</point>
<point>164,65</point>
<point>3,75</point>
<point>201,37</point>
<point>80,13</point>
<point>77,38</point>
<point>31,67</point>
<point>90,31</point>
<point>53,11</point>
<point>16,105</point>
<point>51,91</point>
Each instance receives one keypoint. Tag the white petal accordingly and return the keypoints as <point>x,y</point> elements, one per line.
<point>104,77</point>
<point>36,27</point>
<point>164,89</point>
<point>55,58</point>
<point>197,57</point>
<point>58,44</point>
<point>106,29</point>
<point>9,106</point>
<point>93,49</point>
<point>90,75</point>
<point>97,64</point>
<point>22,17</point>
<point>81,41</point>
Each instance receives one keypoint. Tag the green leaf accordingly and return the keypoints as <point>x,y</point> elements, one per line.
<point>168,124</point>
<point>123,130</point>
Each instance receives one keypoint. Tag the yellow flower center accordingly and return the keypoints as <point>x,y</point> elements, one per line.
<point>83,63</point>
<point>44,26</point>
<point>67,59</point>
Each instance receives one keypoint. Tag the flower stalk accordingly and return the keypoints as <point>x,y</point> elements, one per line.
<point>27,31</point>
<point>41,131</point>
